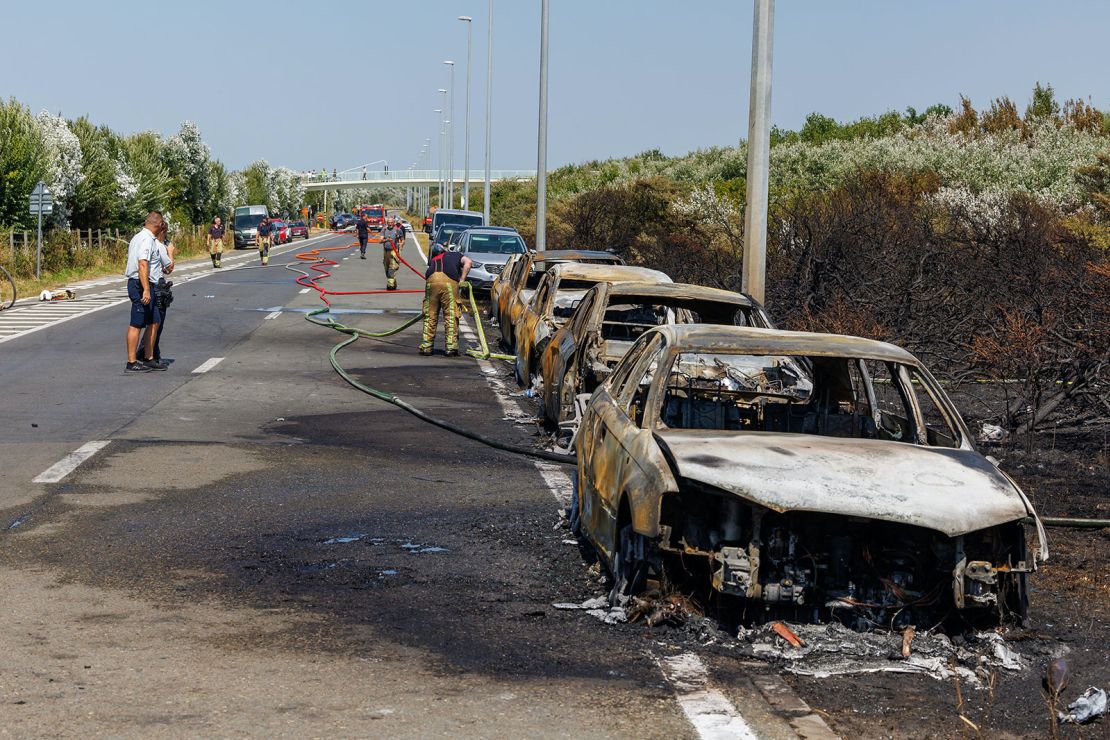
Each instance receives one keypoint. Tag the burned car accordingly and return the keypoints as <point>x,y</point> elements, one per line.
<point>557,294</point>
<point>611,317</point>
<point>819,475</point>
<point>515,285</point>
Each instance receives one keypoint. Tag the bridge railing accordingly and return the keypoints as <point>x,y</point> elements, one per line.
<point>379,176</point>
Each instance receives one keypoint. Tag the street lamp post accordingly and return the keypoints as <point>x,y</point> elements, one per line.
<point>466,120</point>
<point>541,146</point>
<point>441,157</point>
<point>450,136</point>
<point>489,97</point>
<point>753,276</point>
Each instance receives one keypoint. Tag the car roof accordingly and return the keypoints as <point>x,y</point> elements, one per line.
<point>608,273</point>
<point>711,337</point>
<point>573,254</point>
<point>492,229</point>
<point>458,211</point>
<point>686,291</point>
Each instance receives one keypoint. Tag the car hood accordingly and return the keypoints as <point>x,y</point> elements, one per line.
<point>950,491</point>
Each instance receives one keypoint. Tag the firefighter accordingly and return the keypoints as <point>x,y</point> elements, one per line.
<point>264,229</point>
<point>446,272</point>
<point>363,229</point>
<point>389,256</point>
<point>215,241</point>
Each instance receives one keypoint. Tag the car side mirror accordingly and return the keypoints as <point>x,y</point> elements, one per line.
<point>994,461</point>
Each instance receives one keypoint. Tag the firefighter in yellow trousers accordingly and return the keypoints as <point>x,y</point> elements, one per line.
<point>446,272</point>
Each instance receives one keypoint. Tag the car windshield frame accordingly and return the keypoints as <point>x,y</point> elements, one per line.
<point>513,240</point>
<point>910,381</point>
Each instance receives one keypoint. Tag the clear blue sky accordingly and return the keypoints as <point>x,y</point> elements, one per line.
<point>343,82</point>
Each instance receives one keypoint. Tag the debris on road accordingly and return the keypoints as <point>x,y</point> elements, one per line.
<point>673,609</point>
<point>907,640</point>
<point>597,607</point>
<point>833,649</point>
<point>1090,705</point>
<point>787,634</point>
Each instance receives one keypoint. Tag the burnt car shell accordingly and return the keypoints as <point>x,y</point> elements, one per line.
<point>864,528</point>
<point>516,285</point>
<point>552,303</point>
<point>611,317</point>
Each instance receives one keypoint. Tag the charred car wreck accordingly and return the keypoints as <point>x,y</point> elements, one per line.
<point>611,316</point>
<point>811,476</point>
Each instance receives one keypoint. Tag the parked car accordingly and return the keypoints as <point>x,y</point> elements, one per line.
<point>611,317</point>
<point>446,233</point>
<point>340,221</point>
<point>557,294</point>
<point>443,216</point>
<point>244,225</point>
<point>279,231</point>
<point>818,475</point>
<point>298,228</point>
<point>514,287</point>
<point>489,248</point>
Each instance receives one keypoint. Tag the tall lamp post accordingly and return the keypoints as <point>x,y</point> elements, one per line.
<point>489,97</point>
<point>450,136</point>
<point>753,276</point>
<point>541,146</point>
<point>442,158</point>
<point>466,120</point>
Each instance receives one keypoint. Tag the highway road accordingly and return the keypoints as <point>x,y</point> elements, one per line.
<point>245,545</point>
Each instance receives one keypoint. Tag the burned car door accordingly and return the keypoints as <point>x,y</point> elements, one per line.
<point>624,462</point>
<point>563,356</point>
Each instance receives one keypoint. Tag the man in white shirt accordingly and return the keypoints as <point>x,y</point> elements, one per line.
<point>144,311</point>
<point>161,264</point>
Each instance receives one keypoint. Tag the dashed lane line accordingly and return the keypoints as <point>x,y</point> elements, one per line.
<point>69,463</point>
<point>713,716</point>
<point>304,290</point>
<point>207,365</point>
<point>272,315</point>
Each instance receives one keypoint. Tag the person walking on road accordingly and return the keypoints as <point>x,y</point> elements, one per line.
<point>216,240</point>
<point>363,228</point>
<point>446,272</point>
<point>161,264</point>
<point>390,261</point>
<point>264,229</point>
<point>144,310</point>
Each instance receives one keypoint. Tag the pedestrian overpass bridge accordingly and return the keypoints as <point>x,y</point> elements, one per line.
<point>407,178</point>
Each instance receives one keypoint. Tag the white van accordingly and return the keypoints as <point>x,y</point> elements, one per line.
<point>244,224</point>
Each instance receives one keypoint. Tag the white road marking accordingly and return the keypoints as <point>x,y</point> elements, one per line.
<point>272,315</point>
<point>708,710</point>
<point>69,463</point>
<point>305,290</point>
<point>208,364</point>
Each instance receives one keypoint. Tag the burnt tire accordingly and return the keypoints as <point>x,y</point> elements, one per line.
<point>630,567</point>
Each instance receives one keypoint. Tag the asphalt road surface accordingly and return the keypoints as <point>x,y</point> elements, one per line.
<point>259,549</point>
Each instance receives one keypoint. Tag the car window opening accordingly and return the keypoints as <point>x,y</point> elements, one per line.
<point>824,396</point>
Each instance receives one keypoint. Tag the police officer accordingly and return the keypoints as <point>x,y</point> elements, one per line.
<point>363,228</point>
<point>216,240</point>
<point>389,254</point>
<point>264,229</point>
<point>446,271</point>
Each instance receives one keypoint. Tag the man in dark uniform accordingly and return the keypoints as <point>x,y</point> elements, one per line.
<point>264,229</point>
<point>363,228</point>
<point>446,271</point>
<point>216,241</point>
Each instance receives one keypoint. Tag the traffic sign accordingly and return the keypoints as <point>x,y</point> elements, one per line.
<point>41,200</point>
